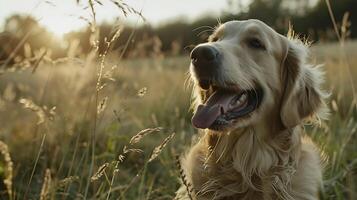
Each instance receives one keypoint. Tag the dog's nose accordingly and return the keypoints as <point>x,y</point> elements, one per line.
<point>204,54</point>
<point>205,59</point>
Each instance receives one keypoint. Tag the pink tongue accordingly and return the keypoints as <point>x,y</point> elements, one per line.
<point>206,114</point>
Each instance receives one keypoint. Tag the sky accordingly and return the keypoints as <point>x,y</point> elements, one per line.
<point>62,16</point>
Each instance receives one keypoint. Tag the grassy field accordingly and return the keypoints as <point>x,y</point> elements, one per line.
<point>67,137</point>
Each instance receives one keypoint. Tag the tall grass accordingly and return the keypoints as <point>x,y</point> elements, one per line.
<point>101,127</point>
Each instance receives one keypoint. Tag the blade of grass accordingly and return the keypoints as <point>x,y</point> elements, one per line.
<point>35,165</point>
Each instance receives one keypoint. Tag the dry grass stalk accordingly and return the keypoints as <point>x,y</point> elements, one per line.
<point>38,61</point>
<point>183,178</point>
<point>341,36</point>
<point>4,150</point>
<point>46,185</point>
<point>100,172</point>
<point>35,165</point>
<point>121,158</point>
<point>109,73</point>
<point>128,150</point>
<point>94,41</point>
<point>159,148</point>
<point>102,105</point>
<point>345,26</point>
<point>115,171</point>
<point>126,9</point>
<point>136,138</point>
<point>67,180</point>
<point>42,113</point>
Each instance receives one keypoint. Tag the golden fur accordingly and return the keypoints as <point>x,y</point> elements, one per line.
<point>264,156</point>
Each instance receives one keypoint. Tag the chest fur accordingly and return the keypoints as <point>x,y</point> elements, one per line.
<point>240,167</point>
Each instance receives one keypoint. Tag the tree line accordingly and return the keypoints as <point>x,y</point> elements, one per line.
<point>21,33</point>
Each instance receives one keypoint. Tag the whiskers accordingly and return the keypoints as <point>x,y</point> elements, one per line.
<point>204,29</point>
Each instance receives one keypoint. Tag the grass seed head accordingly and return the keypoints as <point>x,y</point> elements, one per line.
<point>4,150</point>
<point>159,148</point>
<point>46,186</point>
<point>136,138</point>
<point>100,172</point>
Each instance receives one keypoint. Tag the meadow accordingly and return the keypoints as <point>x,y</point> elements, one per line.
<point>112,128</point>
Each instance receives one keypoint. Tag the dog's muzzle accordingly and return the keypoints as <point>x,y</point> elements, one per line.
<point>205,60</point>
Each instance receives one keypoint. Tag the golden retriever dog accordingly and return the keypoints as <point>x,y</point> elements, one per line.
<point>254,89</point>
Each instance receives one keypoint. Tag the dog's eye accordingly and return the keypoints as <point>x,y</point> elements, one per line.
<point>256,44</point>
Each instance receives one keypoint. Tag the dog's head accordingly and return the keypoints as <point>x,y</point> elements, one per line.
<point>247,73</point>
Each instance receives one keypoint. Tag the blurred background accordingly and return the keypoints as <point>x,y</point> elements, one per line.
<point>80,78</point>
<point>58,25</point>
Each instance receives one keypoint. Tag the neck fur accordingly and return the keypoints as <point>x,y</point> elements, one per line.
<point>261,162</point>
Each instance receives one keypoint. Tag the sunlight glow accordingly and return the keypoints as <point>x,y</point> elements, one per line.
<point>61,17</point>
<point>61,25</point>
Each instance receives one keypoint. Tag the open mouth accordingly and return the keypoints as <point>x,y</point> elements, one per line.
<point>225,106</point>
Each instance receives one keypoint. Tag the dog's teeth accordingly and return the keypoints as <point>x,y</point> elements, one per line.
<point>243,97</point>
<point>241,100</point>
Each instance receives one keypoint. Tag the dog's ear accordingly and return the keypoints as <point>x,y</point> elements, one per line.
<point>301,96</point>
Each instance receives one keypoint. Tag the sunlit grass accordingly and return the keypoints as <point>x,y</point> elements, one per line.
<point>100,127</point>
<point>129,109</point>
